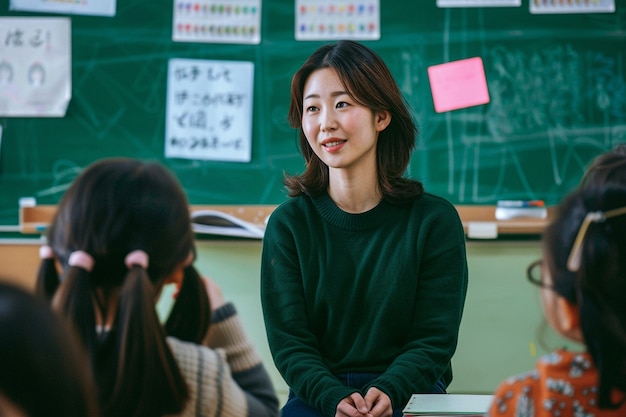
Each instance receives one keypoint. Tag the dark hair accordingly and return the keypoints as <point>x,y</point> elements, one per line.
<point>609,167</point>
<point>369,82</point>
<point>44,370</point>
<point>598,288</point>
<point>114,207</point>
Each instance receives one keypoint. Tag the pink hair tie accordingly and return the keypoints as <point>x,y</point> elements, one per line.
<point>45,252</point>
<point>137,257</point>
<point>82,260</point>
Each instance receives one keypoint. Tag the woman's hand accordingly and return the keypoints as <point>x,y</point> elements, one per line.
<point>378,402</point>
<point>353,406</point>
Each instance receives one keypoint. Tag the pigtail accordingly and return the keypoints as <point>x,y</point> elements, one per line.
<point>148,380</point>
<point>603,316</point>
<point>47,275</point>
<point>74,298</point>
<point>190,317</point>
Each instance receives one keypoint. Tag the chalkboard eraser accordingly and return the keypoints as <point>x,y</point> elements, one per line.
<point>482,230</point>
<point>508,213</point>
<point>27,202</point>
<point>521,203</point>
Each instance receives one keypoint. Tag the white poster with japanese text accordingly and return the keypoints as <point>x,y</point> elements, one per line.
<point>35,66</point>
<point>209,110</point>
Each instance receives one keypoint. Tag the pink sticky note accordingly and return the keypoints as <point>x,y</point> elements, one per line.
<point>458,84</point>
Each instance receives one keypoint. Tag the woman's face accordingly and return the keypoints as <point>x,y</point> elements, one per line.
<point>341,132</point>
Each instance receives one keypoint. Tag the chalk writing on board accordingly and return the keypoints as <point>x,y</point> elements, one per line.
<point>209,110</point>
<point>554,104</point>
<point>34,66</point>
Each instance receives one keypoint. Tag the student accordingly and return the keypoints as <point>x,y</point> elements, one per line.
<point>43,369</point>
<point>122,231</point>
<point>583,282</point>
<point>363,275</point>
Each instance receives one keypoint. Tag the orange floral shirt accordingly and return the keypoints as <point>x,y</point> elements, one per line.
<point>563,384</point>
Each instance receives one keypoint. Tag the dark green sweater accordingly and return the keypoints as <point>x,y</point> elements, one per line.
<point>376,292</point>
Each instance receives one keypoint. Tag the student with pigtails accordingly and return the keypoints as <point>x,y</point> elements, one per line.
<point>121,232</point>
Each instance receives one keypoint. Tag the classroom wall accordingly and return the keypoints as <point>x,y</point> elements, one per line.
<point>556,85</point>
<point>500,332</point>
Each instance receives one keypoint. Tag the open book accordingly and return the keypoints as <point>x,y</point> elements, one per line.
<point>215,222</point>
<point>447,405</point>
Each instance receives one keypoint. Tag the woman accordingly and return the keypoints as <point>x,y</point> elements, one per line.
<point>363,275</point>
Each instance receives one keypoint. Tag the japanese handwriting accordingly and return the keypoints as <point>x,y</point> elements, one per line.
<point>209,109</point>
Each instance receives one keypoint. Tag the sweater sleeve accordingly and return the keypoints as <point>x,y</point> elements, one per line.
<point>226,378</point>
<point>227,332</point>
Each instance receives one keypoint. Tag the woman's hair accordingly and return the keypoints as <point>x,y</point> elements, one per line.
<point>44,370</point>
<point>598,287</point>
<point>115,207</point>
<point>369,82</point>
<point>609,167</point>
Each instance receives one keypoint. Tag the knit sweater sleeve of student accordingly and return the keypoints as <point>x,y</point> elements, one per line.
<point>225,377</point>
<point>378,292</point>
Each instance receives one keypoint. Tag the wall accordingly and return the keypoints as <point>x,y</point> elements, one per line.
<point>500,331</point>
<point>556,86</point>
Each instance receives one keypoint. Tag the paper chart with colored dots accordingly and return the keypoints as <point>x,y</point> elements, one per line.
<point>572,6</point>
<point>479,3</point>
<point>225,21</point>
<point>332,19</point>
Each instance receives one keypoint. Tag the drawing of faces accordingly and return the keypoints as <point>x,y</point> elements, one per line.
<point>6,73</point>
<point>36,74</point>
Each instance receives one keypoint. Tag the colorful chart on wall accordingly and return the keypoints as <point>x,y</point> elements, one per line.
<point>479,3</point>
<point>96,8</point>
<point>332,20</point>
<point>214,21</point>
<point>572,6</point>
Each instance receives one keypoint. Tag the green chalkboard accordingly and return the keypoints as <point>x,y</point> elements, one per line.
<point>557,86</point>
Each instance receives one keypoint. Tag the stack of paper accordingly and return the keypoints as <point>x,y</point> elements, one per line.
<point>447,405</point>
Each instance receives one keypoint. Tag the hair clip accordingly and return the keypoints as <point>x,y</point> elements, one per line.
<point>136,257</point>
<point>45,252</point>
<point>82,260</point>
<point>573,261</point>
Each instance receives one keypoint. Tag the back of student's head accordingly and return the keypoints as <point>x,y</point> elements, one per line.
<point>118,209</point>
<point>43,369</point>
<point>595,281</point>
<point>608,167</point>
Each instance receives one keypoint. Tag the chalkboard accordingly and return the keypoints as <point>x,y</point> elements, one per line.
<point>557,86</point>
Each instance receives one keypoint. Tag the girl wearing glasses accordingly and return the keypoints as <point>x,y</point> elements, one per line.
<point>583,280</point>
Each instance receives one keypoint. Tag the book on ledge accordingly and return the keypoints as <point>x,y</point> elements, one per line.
<point>215,222</point>
<point>447,405</point>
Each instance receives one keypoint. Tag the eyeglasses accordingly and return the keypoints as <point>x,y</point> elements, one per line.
<point>573,261</point>
<point>535,275</point>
